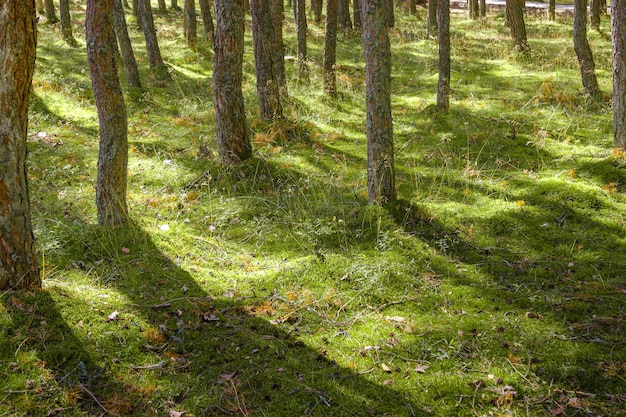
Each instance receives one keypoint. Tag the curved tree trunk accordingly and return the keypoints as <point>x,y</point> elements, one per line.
<point>618,35</point>
<point>443,87</point>
<point>267,84</point>
<point>66,23</point>
<point>515,19</point>
<point>432,18</point>
<point>233,143</point>
<point>18,36</point>
<point>330,49</point>
<point>376,47</point>
<point>159,70</point>
<point>113,155</point>
<point>583,51</point>
<point>191,25</point>
<point>50,13</point>
<point>303,66</point>
<point>207,20</point>
<point>126,47</point>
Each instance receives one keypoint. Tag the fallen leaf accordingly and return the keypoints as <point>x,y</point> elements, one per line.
<point>173,413</point>
<point>421,368</point>
<point>396,319</point>
<point>228,377</point>
<point>113,316</point>
<point>164,227</point>
<point>384,367</point>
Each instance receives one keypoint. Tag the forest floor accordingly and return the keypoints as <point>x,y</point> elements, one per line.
<point>494,287</point>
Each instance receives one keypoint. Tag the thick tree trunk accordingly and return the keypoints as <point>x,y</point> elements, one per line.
<point>303,66</point>
<point>126,48</point>
<point>343,15</point>
<point>515,19</point>
<point>330,49</point>
<point>113,156</point>
<point>356,13</point>
<point>18,36</point>
<point>267,84</point>
<point>596,9</point>
<point>277,10</point>
<point>191,25</point>
<point>583,51</point>
<point>618,35</point>
<point>316,7</point>
<point>50,13</point>
<point>207,20</point>
<point>391,13</point>
<point>233,143</point>
<point>379,126</point>
<point>443,87</point>
<point>66,23</point>
<point>159,70</point>
<point>552,10</point>
<point>432,18</point>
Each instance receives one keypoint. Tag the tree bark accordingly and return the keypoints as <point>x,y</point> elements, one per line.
<point>515,19</point>
<point>277,10</point>
<point>135,10</point>
<point>174,5</point>
<point>233,143</point>
<point>583,50</point>
<point>162,7</point>
<point>159,70</point>
<point>552,10</point>
<point>316,7</point>
<point>50,13</point>
<point>443,86</point>
<point>343,15</point>
<point>18,37</point>
<point>356,13</point>
<point>330,49</point>
<point>412,8</point>
<point>303,66</point>
<point>191,25</point>
<point>618,35</point>
<point>391,13</point>
<point>268,84</point>
<point>379,126</point>
<point>40,7</point>
<point>126,47</point>
<point>113,155</point>
<point>432,18</point>
<point>596,9</point>
<point>473,9</point>
<point>483,9</point>
<point>207,20</point>
<point>66,23</point>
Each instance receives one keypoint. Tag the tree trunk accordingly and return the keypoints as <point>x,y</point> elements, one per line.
<point>191,25</point>
<point>483,8</point>
<point>267,84</point>
<point>391,14</point>
<point>330,48</point>
<point>66,23</point>
<point>233,143</point>
<point>207,20</point>
<point>443,87</point>
<point>18,36</point>
<point>303,66</point>
<point>135,10</point>
<point>162,7</point>
<point>356,13</point>
<point>277,11</point>
<point>316,7</point>
<point>343,15</point>
<point>125,4</point>
<point>596,9</point>
<point>618,35</point>
<point>174,5</point>
<point>379,126</point>
<point>126,48</point>
<point>50,13</point>
<point>412,8</point>
<point>40,7</point>
<point>113,156</point>
<point>515,19</point>
<point>552,10</point>
<point>159,70</point>
<point>473,9</point>
<point>583,51</point>
<point>432,18</point>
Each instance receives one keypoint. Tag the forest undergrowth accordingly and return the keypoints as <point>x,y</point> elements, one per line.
<point>493,287</point>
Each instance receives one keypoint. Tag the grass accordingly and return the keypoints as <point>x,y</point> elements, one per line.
<point>493,288</point>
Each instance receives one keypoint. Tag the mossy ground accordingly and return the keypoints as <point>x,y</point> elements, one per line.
<point>495,287</point>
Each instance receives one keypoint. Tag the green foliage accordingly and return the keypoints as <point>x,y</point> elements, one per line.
<point>493,287</point>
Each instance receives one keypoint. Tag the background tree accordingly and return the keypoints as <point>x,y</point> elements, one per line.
<point>126,47</point>
<point>343,15</point>
<point>191,25</point>
<point>330,49</point>
<point>551,10</point>
<point>432,18</point>
<point>515,20</point>
<point>443,86</point>
<point>277,12</point>
<point>66,23</point>
<point>391,13</point>
<point>18,36</point>
<point>51,15</point>
<point>113,154</point>
<point>159,70</point>
<point>263,36</point>
<point>596,9</point>
<point>583,50</point>
<point>207,20</point>
<point>303,66</point>
<point>483,8</point>
<point>356,13</point>
<point>618,35</point>
<point>473,9</point>
<point>412,8</point>
<point>162,7</point>
<point>174,5</point>
<point>40,7</point>
<point>316,7</point>
<point>233,143</point>
<point>377,50</point>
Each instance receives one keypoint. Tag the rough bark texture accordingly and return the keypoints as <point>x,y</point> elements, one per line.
<point>391,13</point>
<point>66,23</point>
<point>207,20</point>
<point>618,34</point>
<point>356,13</point>
<point>379,126</point>
<point>583,50</point>
<point>277,10</point>
<point>316,7</point>
<point>126,47</point>
<point>303,66</point>
<point>191,25</point>
<point>159,70</point>
<point>330,49</point>
<point>51,15</point>
<point>233,143</point>
<point>113,155</point>
<point>515,19</point>
<point>443,87</point>
<point>551,10</point>
<point>18,36</point>
<point>267,82</point>
<point>432,18</point>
